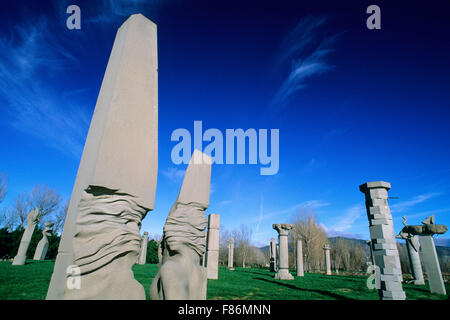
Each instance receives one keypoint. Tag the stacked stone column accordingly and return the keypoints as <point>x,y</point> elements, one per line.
<point>212,253</point>
<point>326,250</point>
<point>283,233</point>
<point>382,236</point>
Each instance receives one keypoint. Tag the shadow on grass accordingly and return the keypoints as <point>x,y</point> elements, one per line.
<point>323,292</point>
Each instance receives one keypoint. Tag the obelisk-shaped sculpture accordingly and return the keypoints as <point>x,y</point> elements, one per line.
<point>143,252</point>
<point>180,275</point>
<point>32,220</point>
<point>42,246</point>
<point>116,180</point>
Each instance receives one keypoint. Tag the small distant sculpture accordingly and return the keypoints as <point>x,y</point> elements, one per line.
<point>326,249</point>
<point>180,275</point>
<point>143,253</point>
<point>33,218</point>
<point>273,255</point>
<point>42,247</point>
<point>428,250</point>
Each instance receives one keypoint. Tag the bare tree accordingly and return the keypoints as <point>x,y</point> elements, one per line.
<point>313,238</point>
<point>242,240</point>
<point>42,197</point>
<point>59,218</point>
<point>45,199</point>
<point>225,236</point>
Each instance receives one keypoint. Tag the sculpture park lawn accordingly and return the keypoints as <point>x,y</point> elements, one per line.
<point>31,280</point>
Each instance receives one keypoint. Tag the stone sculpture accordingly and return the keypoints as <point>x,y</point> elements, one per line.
<point>413,246</point>
<point>143,253</point>
<point>180,275</point>
<point>42,246</point>
<point>283,269</point>
<point>382,236</point>
<point>230,254</point>
<point>33,218</point>
<point>428,251</point>
<point>299,265</point>
<point>273,255</point>
<point>116,180</point>
<point>326,249</point>
<point>212,249</point>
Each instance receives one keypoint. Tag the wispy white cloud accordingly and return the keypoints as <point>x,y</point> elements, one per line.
<point>310,204</point>
<point>225,202</point>
<point>404,205</point>
<point>31,59</point>
<point>174,175</point>
<point>347,220</point>
<point>305,48</point>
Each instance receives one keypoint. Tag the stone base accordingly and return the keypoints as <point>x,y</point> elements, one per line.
<point>417,282</point>
<point>328,273</point>
<point>283,274</point>
<point>19,260</point>
<point>231,269</point>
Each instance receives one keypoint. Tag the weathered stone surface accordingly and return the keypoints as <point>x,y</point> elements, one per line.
<point>180,275</point>
<point>413,246</point>
<point>33,218</point>
<point>384,250</point>
<point>42,246</point>
<point>121,149</point>
<point>283,232</point>
<point>431,264</point>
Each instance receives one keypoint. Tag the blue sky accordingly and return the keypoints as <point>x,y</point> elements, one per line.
<point>352,104</point>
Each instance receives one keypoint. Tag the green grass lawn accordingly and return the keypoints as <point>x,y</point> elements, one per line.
<point>31,282</point>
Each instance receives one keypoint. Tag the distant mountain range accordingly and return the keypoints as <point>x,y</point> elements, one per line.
<point>442,246</point>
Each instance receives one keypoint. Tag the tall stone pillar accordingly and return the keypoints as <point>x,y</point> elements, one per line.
<point>42,246</point>
<point>116,179</point>
<point>326,250</point>
<point>230,254</point>
<point>299,265</point>
<point>431,263</point>
<point>32,220</point>
<point>273,255</point>
<point>382,236</point>
<point>413,246</point>
<point>180,275</point>
<point>143,252</point>
<point>283,232</point>
<point>212,252</point>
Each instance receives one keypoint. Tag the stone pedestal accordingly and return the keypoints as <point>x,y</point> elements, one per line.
<point>431,265</point>
<point>283,233</point>
<point>42,246</point>
<point>143,252</point>
<point>212,252</point>
<point>116,179</point>
<point>299,265</point>
<point>382,236</point>
<point>32,220</point>
<point>326,250</point>
<point>230,254</point>
<point>273,255</point>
